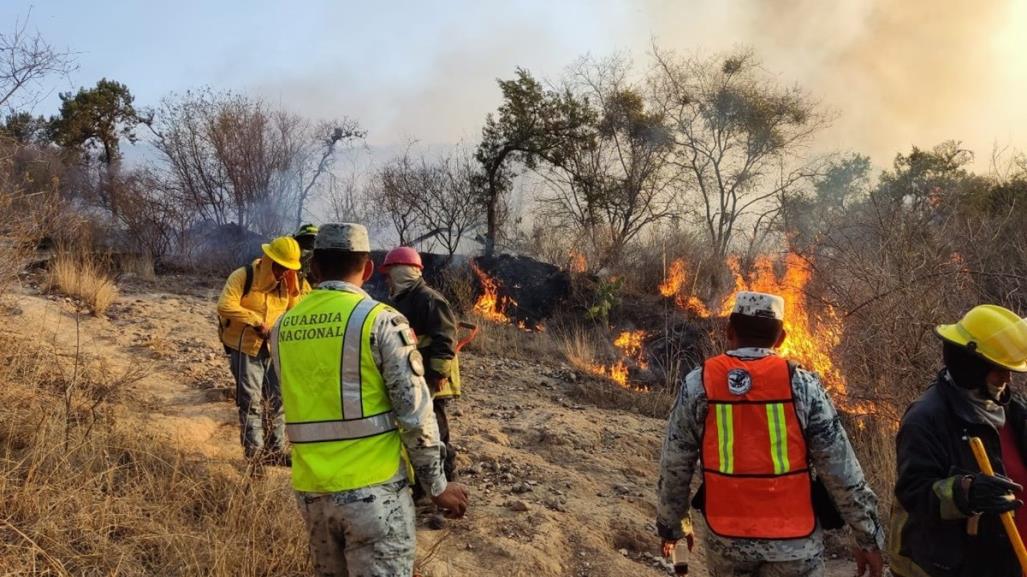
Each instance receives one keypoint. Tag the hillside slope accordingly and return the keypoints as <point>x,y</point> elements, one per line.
<point>558,486</point>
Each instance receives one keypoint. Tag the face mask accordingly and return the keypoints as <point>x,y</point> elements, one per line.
<point>402,277</point>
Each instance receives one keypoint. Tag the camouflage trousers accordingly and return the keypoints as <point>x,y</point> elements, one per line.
<point>256,384</point>
<point>761,558</point>
<point>366,532</point>
<point>719,566</point>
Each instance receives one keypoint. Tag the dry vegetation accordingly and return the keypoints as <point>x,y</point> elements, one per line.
<point>89,489</point>
<point>83,277</point>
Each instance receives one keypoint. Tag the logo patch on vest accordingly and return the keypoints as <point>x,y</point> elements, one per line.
<point>739,381</point>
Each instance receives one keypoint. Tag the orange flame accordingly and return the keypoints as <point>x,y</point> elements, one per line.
<point>629,343</point>
<point>811,339</point>
<point>675,278</point>
<point>671,287</point>
<point>490,305</point>
<point>577,264</point>
<point>694,304</point>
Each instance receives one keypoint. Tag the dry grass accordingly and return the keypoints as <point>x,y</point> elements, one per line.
<point>581,349</point>
<point>511,342</point>
<point>83,277</point>
<point>139,266</point>
<point>117,498</point>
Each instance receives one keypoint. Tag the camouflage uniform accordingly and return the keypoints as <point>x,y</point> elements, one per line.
<point>829,452</point>
<point>369,532</point>
<point>374,526</point>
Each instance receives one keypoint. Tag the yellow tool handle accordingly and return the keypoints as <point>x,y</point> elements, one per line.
<point>1007,518</point>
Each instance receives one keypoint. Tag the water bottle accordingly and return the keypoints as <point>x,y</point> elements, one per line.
<point>679,558</point>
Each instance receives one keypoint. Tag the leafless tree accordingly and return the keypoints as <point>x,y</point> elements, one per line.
<point>429,201</point>
<point>394,191</point>
<point>345,198</point>
<point>26,58</point>
<point>326,139</point>
<point>235,157</point>
<point>739,138</point>
<point>449,205</point>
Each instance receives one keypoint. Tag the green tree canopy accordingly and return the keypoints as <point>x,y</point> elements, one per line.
<point>532,124</point>
<point>99,116</point>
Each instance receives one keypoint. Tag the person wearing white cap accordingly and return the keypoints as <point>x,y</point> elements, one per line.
<point>759,426</point>
<point>359,416</point>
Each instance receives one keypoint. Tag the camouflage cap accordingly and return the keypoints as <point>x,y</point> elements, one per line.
<point>345,236</point>
<point>763,305</point>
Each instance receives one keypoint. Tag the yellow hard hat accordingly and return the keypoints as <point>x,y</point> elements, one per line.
<point>285,251</point>
<point>993,332</point>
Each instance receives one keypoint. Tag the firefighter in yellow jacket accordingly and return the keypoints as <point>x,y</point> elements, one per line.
<point>358,415</point>
<point>253,298</point>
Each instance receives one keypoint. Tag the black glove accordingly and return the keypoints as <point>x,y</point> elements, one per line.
<point>992,494</point>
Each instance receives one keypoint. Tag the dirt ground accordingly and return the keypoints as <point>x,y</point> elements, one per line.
<point>558,486</point>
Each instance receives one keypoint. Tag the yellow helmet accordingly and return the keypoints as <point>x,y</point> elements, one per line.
<point>993,332</point>
<point>285,251</point>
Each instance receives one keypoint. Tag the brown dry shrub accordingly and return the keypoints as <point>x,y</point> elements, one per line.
<point>85,278</point>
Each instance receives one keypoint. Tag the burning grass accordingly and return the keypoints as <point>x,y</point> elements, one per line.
<point>490,305</point>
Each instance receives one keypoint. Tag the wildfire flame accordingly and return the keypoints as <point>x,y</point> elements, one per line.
<point>577,264</point>
<point>811,338</point>
<point>675,278</point>
<point>490,305</point>
<point>671,287</point>
<point>629,343</point>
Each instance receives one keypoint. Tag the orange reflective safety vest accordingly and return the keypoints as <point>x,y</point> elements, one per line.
<point>755,467</point>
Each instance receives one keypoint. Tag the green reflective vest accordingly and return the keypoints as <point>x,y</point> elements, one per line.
<point>338,415</point>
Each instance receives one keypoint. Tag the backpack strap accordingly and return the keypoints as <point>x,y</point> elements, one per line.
<point>248,284</point>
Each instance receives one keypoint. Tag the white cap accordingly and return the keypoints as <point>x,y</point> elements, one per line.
<point>763,305</point>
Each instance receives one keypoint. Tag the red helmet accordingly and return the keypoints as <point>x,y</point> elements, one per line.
<point>402,255</point>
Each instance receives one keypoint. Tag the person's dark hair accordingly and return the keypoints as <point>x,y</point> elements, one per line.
<point>337,264</point>
<point>968,369</point>
<point>756,331</point>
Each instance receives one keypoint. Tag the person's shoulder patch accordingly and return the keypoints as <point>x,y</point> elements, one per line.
<point>408,336</point>
<point>416,362</point>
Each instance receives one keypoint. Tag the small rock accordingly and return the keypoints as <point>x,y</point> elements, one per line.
<point>521,488</point>
<point>623,552</point>
<point>519,506</point>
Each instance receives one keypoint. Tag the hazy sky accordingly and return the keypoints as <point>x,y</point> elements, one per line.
<point>897,72</point>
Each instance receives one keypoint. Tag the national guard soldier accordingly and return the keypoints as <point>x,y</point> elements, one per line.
<point>357,412</point>
<point>434,323</point>
<point>757,425</point>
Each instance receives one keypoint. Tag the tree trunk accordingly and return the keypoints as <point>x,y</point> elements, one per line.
<point>491,224</point>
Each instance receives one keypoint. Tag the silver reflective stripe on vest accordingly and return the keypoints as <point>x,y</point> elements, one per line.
<point>340,430</point>
<point>352,405</point>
